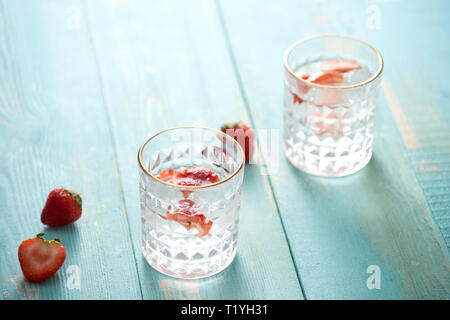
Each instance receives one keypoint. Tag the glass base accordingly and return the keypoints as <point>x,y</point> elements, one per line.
<point>204,262</point>
<point>329,167</point>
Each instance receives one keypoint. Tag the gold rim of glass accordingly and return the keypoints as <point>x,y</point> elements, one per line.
<point>235,172</point>
<point>359,84</point>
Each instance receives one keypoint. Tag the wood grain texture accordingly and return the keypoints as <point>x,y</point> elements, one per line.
<point>338,227</point>
<point>165,64</point>
<point>54,132</point>
<point>415,73</point>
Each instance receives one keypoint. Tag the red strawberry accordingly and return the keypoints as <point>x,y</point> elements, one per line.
<point>40,258</point>
<point>341,66</point>
<point>189,216</point>
<point>62,207</point>
<point>244,135</point>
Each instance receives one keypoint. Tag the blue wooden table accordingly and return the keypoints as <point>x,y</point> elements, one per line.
<point>83,83</point>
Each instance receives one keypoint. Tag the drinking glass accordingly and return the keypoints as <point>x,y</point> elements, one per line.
<point>190,232</point>
<point>328,124</point>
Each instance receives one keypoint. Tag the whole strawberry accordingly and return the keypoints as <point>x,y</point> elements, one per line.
<point>40,258</point>
<point>243,134</point>
<point>62,207</point>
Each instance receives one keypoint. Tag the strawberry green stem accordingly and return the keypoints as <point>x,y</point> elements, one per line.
<point>40,236</point>
<point>76,195</point>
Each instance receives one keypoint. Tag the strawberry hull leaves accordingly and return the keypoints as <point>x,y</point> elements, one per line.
<point>76,196</point>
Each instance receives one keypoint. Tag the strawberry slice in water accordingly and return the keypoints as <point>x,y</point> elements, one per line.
<point>301,86</point>
<point>305,76</point>
<point>188,182</point>
<point>189,177</point>
<point>196,176</point>
<point>326,124</point>
<point>170,176</point>
<point>189,216</point>
<point>323,124</point>
<point>201,175</point>
<point>297,99</point>
<point>341,66</point>
<point>330,79</point>
<point>186,213</point>
<point>329,98</point>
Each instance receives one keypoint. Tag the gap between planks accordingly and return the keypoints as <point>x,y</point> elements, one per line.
<point>252,122</point>
<point>111,134</point>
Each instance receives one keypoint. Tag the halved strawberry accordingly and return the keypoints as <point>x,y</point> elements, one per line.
<point>63,206</point>
<point>330,79</point>
<point>341,66</point>
<point>244,135</point>
<point>189,216</point>
<point>40,258</point>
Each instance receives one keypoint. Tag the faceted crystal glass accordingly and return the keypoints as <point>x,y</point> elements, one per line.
<point>328,128</point>
<point>193,243</point>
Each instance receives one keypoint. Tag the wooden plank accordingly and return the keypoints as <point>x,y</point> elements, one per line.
<point>54,132</point>
<point>414,85</point>
<point>419,84</point>
<point>337,228</point>
<point>165,64</point>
